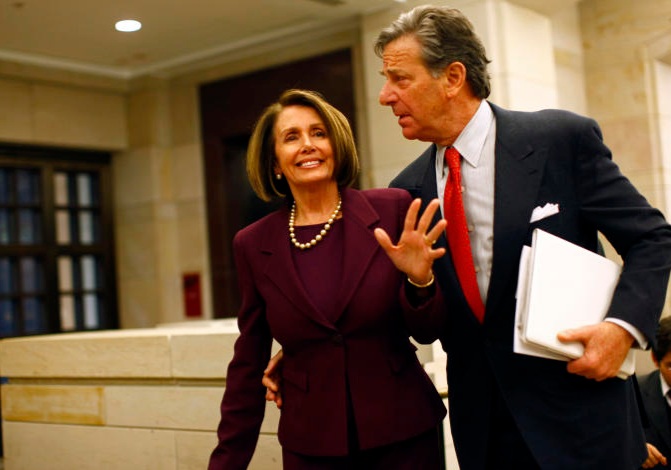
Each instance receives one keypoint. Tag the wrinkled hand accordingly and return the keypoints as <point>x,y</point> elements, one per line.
<point>414,254</point>
<point>655,457</point>
<point>606,346</point>
<point>272,379</point>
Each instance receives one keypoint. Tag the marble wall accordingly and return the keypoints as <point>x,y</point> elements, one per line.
<point>141,399</point>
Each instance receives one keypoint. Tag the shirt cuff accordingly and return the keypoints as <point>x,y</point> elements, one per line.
<point>635,332</point>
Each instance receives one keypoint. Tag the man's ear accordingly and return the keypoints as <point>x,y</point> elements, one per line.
<point>455,78</point>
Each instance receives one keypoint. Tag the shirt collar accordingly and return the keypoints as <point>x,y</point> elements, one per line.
<point>471,140</point>
<point>665,386</point>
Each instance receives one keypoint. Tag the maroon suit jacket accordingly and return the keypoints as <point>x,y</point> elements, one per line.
<point>367,348</point>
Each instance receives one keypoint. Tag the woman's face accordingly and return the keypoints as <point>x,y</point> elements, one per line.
<point>303,151</point>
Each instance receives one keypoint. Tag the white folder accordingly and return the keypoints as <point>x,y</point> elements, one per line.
<point>561,286</point>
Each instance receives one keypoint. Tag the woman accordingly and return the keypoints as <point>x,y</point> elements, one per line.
<point>313,276</point>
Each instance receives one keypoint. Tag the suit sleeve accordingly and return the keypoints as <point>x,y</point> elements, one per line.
<point>243,403</point>
<point>639,233</point>
<point>425,318</point>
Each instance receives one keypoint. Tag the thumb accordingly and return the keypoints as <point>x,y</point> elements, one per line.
<point>568,336</point>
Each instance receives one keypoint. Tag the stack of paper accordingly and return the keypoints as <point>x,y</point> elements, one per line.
<point>561,286</point>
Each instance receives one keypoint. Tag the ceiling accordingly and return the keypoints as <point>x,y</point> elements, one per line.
<point>80,34</point>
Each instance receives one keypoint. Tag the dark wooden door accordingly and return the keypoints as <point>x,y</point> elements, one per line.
<point>229,108</point>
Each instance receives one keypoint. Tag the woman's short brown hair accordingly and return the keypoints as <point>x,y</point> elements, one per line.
<point>261,148</point>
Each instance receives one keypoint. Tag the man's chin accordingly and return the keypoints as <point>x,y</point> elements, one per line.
<point>409,133</point>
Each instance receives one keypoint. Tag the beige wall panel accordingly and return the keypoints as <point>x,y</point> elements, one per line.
<point>29,446</point>
<point>15,111</point>
<point>82,118</point>
<point>203,355</point>
<point>132,353</point>
<point>271,419</point>
<point>139,303</point>
<point>194,449</point>
<point>188,180</point>
<point>191,233</point>
<point>629,139</point>
<point>134,179</point>
<point>268,454</point>
<point>623,81</point>
<point>164,407</point>
<point>74,404</point>
<point>147,118</point>
<point>185,112</point>
<point>136,249</point>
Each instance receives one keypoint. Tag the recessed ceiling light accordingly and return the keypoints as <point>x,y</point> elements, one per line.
<point>127,26</point>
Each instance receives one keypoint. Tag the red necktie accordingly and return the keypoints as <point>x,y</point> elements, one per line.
<point>457,234</point>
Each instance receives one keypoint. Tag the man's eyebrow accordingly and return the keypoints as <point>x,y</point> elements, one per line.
<point>389,71</point>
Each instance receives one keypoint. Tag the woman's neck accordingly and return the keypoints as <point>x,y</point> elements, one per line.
<point>315,207</point>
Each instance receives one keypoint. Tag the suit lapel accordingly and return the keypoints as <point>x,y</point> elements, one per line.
<point>518,173</point>
<point>359,218</point>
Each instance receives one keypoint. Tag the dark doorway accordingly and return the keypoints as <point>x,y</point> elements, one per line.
<point>229,108</point>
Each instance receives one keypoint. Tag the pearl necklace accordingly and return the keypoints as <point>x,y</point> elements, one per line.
<point>320,236</point>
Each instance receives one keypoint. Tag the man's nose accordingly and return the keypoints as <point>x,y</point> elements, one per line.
<point>386,96</point>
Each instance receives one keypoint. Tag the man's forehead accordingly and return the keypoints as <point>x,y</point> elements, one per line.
<point>400,57</point>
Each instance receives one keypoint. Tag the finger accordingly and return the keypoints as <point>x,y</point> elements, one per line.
<point>427,216</point>
<point>383,239</point>
<point>273,363</point>
<point>437,230</point>
<point>437,253</point>
<point>656,455</point>
<point>269,383</point>
<point>568,336</point>
<point>411,215</point>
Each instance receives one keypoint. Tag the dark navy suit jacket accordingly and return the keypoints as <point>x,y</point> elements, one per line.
<point>366,349</point>
<point>658,431</point>
<point>568,422</point>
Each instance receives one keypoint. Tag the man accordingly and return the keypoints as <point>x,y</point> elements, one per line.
<point>655,394</point>
<point>509,410</point>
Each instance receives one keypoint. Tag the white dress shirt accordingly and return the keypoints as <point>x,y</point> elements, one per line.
<point>476,146</point>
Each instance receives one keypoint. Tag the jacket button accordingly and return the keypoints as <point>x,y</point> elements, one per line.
<point>337,339</point>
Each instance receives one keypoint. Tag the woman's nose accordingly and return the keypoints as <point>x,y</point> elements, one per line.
<point>307,143</point>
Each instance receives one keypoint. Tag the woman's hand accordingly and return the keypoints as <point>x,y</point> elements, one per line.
<point>414,254</point>
<point>272,379</point>
<point>655,457</point>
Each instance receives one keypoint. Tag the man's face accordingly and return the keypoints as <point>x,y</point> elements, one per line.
<point>664,365</point>
<point>417,98</point>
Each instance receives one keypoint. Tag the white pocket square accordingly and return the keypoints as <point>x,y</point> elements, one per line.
<point>547,210</point>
